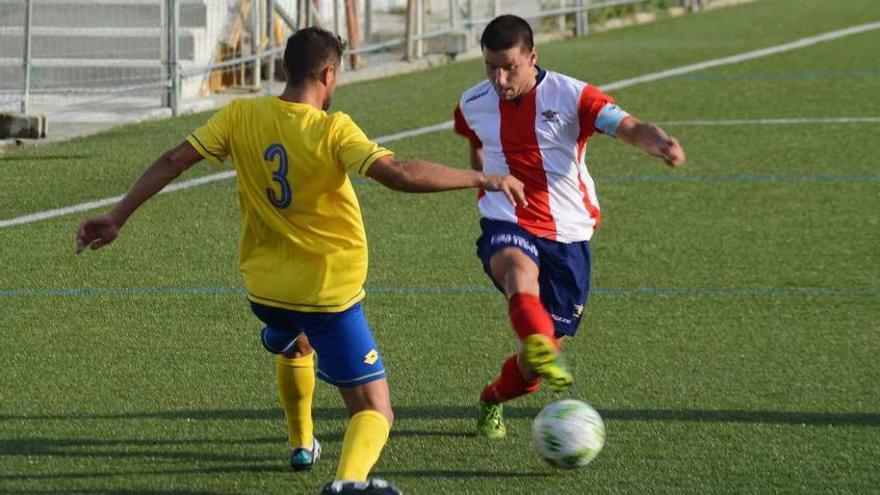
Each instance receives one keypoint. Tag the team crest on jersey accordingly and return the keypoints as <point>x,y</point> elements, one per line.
<point>578,310</point>
<point>550,116</point>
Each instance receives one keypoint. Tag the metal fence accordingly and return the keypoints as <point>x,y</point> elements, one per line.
<point>85,54</point>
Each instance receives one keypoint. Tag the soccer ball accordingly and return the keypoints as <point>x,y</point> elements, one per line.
<point>568,433</point>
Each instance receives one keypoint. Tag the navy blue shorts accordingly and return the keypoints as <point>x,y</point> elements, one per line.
<point>563,269</point>
<point>347,352</point>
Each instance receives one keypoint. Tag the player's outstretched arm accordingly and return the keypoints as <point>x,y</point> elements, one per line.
<point>97,232</point>
<point>422,176</point>
<point>652,140</point>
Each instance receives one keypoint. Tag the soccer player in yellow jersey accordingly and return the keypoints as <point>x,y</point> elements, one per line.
<point>303,249</point>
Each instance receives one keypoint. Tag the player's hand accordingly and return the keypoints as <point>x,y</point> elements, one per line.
<point>672,153</point>
<point>510,186</point>
<point>96,232</point>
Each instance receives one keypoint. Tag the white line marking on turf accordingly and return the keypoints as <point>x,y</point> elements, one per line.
<point>833,120</point>
<point>43,215</point>
<point>742,57</point>
<point>625,83</point>
<point>415,132</point>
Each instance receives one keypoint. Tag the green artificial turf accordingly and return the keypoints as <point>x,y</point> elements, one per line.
<point>730,342</point>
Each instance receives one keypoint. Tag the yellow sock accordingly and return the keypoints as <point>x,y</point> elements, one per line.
<point>365,436</point>
<point>296,386</point>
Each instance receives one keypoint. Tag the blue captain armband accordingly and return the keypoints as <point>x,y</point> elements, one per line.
<point>609,119</point>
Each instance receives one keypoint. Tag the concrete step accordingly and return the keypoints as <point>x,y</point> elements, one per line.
<point>99,13</point>
<point>90,46</point>
<point>93,43</point>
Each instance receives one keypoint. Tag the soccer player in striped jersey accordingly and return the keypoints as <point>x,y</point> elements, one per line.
<point>534,124</point>
<point>303,247</point>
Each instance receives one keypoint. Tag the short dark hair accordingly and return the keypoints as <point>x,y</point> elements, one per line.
<point>308,51</point>
<point>506,32</point>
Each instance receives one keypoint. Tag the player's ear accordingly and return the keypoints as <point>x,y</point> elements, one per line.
<point>328,74</point>
<point>324,76</point>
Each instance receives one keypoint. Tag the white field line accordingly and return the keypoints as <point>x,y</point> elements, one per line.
<point>415,132</point>
<point>91,205</point>
<point>654,76</point>
<point>742,57</point>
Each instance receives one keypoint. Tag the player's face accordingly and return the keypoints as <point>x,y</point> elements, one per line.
<point>511,71</point>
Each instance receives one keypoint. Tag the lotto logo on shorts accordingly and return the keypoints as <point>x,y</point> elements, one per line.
<point>371,357</point>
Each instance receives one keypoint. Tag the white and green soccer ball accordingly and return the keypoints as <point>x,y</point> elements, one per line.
<point>568,433</point>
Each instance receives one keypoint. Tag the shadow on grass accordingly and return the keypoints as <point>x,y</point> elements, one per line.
<point>151,450</point>
<point>103,491</point>
<point>404,413</point>
<point>44,159</point>
<point>439,473</point>
<point>277,467</point>
<point>202,451</point>
<point>132,449</point>
<point>165,448</point>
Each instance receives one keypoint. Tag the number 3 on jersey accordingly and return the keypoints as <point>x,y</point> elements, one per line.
<point>279,176</point>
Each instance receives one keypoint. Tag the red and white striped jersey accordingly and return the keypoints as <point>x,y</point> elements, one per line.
<point>540,138</point>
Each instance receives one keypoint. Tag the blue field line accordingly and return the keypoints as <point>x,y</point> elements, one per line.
<point>715,178</point>
<point>738,178</point>
<point>121,291</point>
<point>599,291</point>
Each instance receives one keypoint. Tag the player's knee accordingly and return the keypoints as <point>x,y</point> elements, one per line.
<point>384,408</point>
<point>521,283</point>
<point>516,272</point>
<point>389,415</point>
<point>301,348</point>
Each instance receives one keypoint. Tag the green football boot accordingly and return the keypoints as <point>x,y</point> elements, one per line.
<point>490,422</point>
<point>540,353</point>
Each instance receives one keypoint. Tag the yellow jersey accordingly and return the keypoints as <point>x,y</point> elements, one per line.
<point>303,245</point>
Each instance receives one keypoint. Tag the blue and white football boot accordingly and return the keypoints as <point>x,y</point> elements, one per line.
<point>303,459</point>
<point>373,486</point>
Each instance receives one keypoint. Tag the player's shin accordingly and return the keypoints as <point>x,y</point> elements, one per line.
<point>365,437</point>
<point>296,386</point>
<point>539,346</point>
<point>528,316</point>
